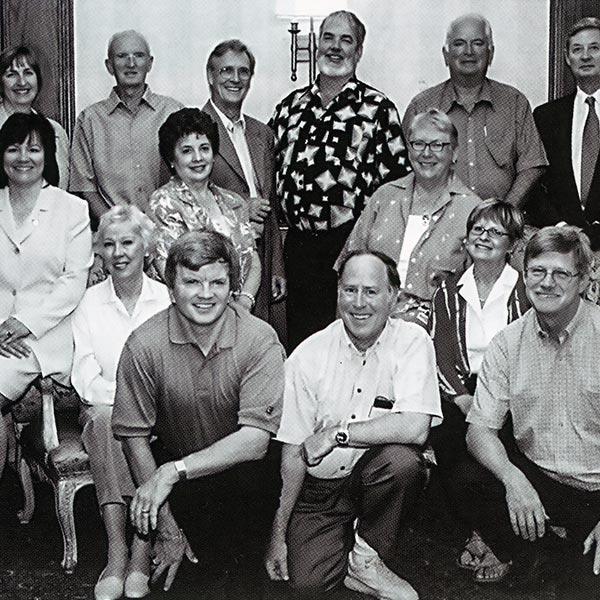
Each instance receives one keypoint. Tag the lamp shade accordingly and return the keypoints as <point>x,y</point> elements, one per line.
<point>304,9</point>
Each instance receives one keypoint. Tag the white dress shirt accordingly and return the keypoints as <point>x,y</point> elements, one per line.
<point>328,382</point>
<point>484,322</point>
<point>237,134</point>
<point>580,113</point>
<point>101,326</point>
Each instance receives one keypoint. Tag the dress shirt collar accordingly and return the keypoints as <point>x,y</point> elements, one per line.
<point>467,287</point>
<point>113,99</point>
<point>450,97</point>
<point>109,295</point>
<point>580,97</point>
<point>572,326</point>
<point>348,344</point>
<point>223,334</point>
<point>227,122</point>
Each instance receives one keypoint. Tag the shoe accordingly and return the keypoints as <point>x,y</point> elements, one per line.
<point>499,570</point>
<point>473,553</point>
<point>369,575</point>
<point>108,588</point>
<point>136,585</point>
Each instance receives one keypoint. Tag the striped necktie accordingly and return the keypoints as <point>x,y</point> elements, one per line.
<point>590,145</point>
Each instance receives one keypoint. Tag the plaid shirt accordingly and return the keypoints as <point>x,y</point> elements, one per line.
<point>330,159</point>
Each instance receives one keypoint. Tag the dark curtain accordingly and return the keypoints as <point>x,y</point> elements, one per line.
<point>46,26</point>
<point>563,14</point>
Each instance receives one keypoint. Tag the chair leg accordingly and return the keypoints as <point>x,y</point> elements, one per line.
<point>64,495</point>
<point>26,513</point>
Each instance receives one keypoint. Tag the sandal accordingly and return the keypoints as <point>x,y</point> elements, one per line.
<point>491,570</point>
<point>472,554</point>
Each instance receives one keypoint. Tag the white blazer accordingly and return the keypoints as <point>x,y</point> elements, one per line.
<point>43,272</point>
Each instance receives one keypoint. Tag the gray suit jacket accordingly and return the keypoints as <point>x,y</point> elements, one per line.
<point>227,172</point>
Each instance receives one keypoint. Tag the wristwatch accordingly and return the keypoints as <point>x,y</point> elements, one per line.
<point>342,436</point>
<point>181,469</point>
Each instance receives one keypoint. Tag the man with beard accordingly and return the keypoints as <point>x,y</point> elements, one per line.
<point>336,142</point>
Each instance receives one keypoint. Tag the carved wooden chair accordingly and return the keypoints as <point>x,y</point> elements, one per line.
<point>48,446</point>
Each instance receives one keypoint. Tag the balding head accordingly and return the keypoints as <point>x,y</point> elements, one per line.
<point>129,33</point>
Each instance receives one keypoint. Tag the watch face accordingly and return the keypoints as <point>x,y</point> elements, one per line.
<point>341,437</point>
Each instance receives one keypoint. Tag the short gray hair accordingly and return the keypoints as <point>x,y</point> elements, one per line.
<point>585,23</point>
<point>439,119</point>
<point>119,34</point>
<point>473,17</point>
<point>360,31</point>
<point>127,213</point>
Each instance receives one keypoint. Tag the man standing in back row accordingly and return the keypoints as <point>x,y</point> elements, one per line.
<point>500,154</point>
<point>114,156</point>
<point>570,189</point>
<point>244,164</point>
<point>336,142</point>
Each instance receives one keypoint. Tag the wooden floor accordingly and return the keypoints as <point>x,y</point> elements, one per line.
<point>30,558</point>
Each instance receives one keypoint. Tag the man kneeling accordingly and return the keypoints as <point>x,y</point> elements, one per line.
<point>358,403</point>
<point>206,377</point>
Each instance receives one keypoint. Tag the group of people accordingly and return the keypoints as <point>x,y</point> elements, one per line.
<point>419,312</point>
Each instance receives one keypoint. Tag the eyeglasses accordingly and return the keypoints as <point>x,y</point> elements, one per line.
<point>494,233</point>
<point>243,73</point>
<point>537,274</point>
<point>420,145</point>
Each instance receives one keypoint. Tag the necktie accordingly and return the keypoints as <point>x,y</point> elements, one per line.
<point>590,145</point>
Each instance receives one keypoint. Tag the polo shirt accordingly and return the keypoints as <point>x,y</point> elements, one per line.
<point>166,386</point>
<point>496,140</point>
<point>552,390</point>
<point>328,382</point>
<point>115,151</point>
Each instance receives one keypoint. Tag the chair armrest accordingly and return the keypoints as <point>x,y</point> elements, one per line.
<point>49,430</point>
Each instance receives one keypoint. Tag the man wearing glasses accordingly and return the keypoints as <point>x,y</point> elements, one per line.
<point>500,152</point>
<point>244,164</point>
<point>336,142</point>
<point>543,372</point>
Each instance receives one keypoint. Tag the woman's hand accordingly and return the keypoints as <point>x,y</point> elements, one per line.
<point>169,550</point>
<point>12,335</point>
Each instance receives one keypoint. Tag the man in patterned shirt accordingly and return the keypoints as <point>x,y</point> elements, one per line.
<point>500,153</point>
<point>336,142</point>
<point>543,371</point>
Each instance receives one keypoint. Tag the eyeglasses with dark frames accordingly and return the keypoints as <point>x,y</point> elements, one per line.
<point>435,146</point>
<point>494,233</point>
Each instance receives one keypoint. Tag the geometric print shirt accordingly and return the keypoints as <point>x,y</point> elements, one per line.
<point>329,160</point>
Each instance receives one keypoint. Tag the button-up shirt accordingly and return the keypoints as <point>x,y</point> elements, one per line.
<point>115,150</point>
<point>237,134</point>
<point>328,382</point>
<point>101,325</point>
<point>330,159</point>
<point>439,250</point>
<point>552,390</point>
<point>496,140</point>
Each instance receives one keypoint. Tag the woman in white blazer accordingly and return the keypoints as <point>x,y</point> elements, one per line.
<point>45,250</point>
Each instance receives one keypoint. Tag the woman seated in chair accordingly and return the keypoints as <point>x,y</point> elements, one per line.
<point>108,313</point>
<point>45,245</point>
<point>468,311</point>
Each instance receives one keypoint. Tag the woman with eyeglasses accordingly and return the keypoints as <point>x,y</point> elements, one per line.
<point>468,311</point>
<point>188,142</point>
<point>419,220</point>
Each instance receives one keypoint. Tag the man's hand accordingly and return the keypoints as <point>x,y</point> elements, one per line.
<point>278,288</point>
<point>464,402</point>
<point>276,558</point>
<point>527,514</point>
<point>316,447</point>
<point>150,496</point>
<point>590,540</point>
<point>259,209</point>
<point>169,550</point>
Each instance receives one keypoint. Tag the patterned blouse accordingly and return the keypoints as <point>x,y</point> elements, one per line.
<point>176,211</point>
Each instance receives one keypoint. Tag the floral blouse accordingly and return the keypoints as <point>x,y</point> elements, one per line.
<point>176,211</point>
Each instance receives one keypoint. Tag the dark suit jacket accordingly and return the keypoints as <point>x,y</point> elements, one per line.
<point>228,173</point>
<point>556,197</point>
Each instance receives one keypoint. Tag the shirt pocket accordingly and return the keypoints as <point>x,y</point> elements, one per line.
<point>501,147</point>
